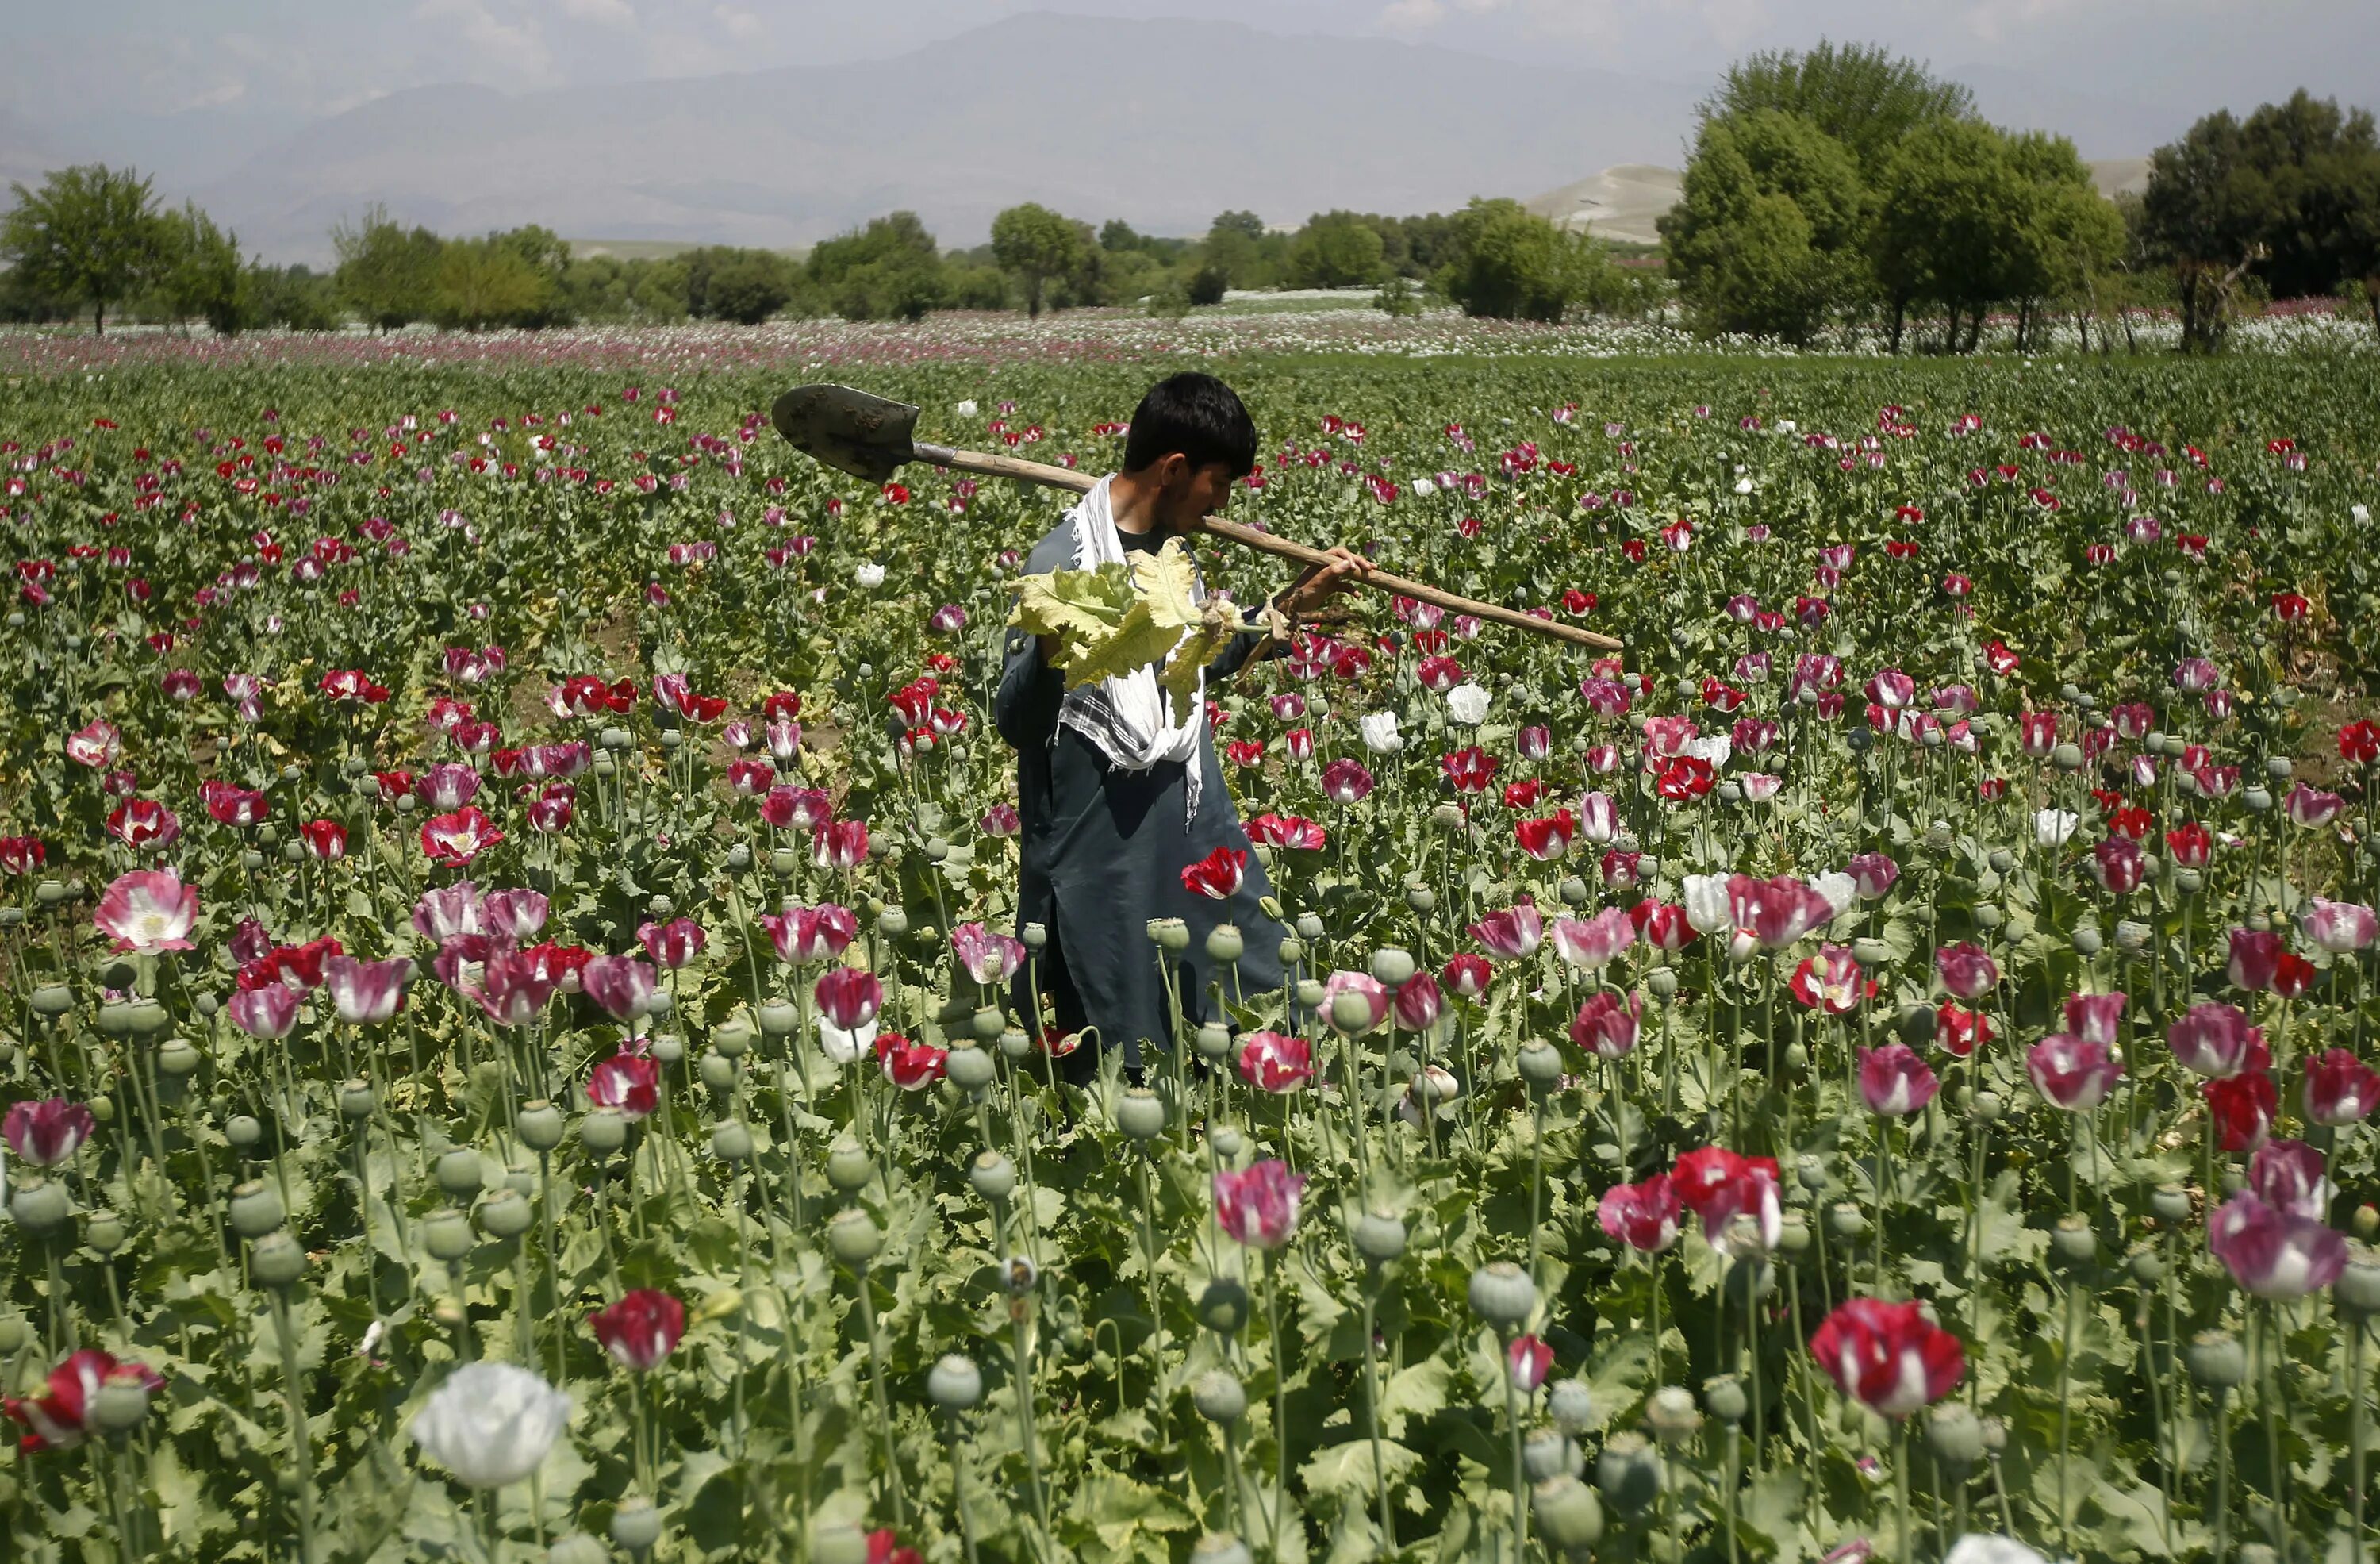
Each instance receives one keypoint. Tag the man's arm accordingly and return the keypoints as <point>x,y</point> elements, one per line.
<point>1316,585</point>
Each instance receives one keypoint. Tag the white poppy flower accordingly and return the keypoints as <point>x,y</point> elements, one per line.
<point>1381,735</point>
<point>490,1424</point>
<point>2052,826</point>
<point>1467,704</point>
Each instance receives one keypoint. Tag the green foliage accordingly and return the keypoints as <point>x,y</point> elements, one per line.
<point>89,233</point>
<point>889,270</point>
<point>1765,238</point>
<point>296,298</point>
<point>1506,262</point>
<point>484,283</point>
<point>201,274</point>
<point>1860,96</point>
<point>723,282</point>
<point>2294,192</point>
<point>1034,244</point>
<point>1335,249</point>
<point>1116,620</point>
<point>386,273</point>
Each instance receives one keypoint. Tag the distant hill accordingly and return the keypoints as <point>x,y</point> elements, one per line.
<point>1065,110</point>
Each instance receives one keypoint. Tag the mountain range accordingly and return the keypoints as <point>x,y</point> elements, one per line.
<point>1162,123</point>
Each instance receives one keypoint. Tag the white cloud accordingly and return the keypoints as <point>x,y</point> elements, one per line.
<point>1412,16</point>
<point>740,24</point>
<point>517,49</point>
<point>602,13</point>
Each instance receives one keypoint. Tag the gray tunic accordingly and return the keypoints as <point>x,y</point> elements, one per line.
<point>1104,850</point>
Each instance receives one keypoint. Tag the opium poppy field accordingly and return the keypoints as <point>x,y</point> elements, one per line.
<point>507,921</point>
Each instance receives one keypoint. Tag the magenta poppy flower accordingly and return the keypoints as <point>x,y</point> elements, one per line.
<point>2339,1088</point>
<point>1512,933</point>
<point>2272,1254</point>
<point>1642,1215</point>
<point>1607,1025</point>
<point>1259,1205</point>
<point>629,1082</point>
<point>46,1133</point>
<point>147,912</point>
<point>641,1330</point>
<point>1894,1082</point>
<point>1888,1357</point>
<point>1272,1061</point>
<point>2070,1073</point>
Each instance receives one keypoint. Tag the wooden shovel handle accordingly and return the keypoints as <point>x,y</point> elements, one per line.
<point>1265,542</point>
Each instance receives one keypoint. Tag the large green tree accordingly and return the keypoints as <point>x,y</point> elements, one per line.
<point>202,275</point>
<point>1766,236</point>
<point>1336,249</point>
<point>90,233</point>
<point>891,269</point>
<point>1034,244</point>
<point>387,273</point>
<point>1506,262</point>
<point>1862,95</point>
<point>723,282</point>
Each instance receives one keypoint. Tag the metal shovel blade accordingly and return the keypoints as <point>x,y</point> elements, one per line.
<point>848,430</point>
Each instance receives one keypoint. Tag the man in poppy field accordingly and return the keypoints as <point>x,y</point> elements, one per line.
<point>1124,816</point>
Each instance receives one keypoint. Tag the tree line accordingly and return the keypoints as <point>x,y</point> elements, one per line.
<point>92,239</point>
<point>1845,186</point>
<point>1840,186</point>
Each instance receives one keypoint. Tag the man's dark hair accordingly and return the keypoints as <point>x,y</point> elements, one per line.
<point>1199,416</point>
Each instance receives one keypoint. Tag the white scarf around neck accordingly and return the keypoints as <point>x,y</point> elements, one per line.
<point>1130,719</point>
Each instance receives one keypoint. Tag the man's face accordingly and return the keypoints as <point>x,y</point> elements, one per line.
<point>1189,493</point>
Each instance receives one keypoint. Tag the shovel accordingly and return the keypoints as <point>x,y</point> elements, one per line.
<point>870,438</point>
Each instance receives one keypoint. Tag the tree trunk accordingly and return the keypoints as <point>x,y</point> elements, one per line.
<point>1899,312</point>
<point>1033,297</point>
<point>99,317</point>
<point>1950,331</point>
<point>2372,297</point>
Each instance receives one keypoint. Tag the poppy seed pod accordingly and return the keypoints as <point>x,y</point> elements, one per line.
<point>1567,1514</point>
<point>1309,927</point>
<point>2357,1290</point>
<point>242,1130</point>
<point>1629,1472</point>
<point>121,1403</point>
<point>457,1172</point>
<point>1662,982</point>
<point>992,1176</point>
<point>447,1233</point>
<point>1570,1404</point>
<point>104,1230</point>
<point>51,1000</point>
<point>1502,1294</point>
<point>987,1022</point>
<point>1846,1221</point>
<point>357,1099</point>
<point>14,1334</point>
<point>2146,1264</point>
<point>2215,1360</point>
<point>1228,1141</point>
<point>848,1166</point>
<point>716,1071</point>
<point>2258,800</point>
<point>893,922</point>
<point>1549,1452</point>
<point>256,1209</point>
<point>1421,898</point>
<point>1224,943</point>
<point>969,1066</point>
<point>276,1260</point>
<point>636,1524</point>
<point>1219,1397</point>
<point>2087,940</point>
<point>1223,1306</point>
<point>1169,934</point>
<point>1725,1397</point>
<point>1015,1046</point>
<point>2171,1203</point>
<point>1379,1236</point>
<point>778,1018</point>
<point>1671,1414</point>
<point>955,1384</point>
<point>1793,1233</point>
<point>603,1130</point>
<point>1987,1108</point>
<point>2073,1241</point>
<point>578,1549</point>
<point>506,1214</point>
<point>1140,1113</point>
<point>1351,1013</point>
<point>853,1237</point>
<point>2366,1221</point>
<point>1213,1040</point>
<point>1955,1436</point>
<point>1539,1064</point>
<point>1391,966</point>
<point>1311,992</point>
<point>538,1124</point>
<point>730,1140</point>
<point>1292,951</point>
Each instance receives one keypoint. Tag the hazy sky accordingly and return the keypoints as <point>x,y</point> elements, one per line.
<point>71,64</point>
